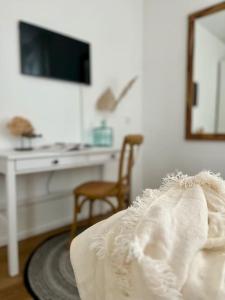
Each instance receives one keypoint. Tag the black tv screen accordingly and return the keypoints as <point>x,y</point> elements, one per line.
<point>49,54</point>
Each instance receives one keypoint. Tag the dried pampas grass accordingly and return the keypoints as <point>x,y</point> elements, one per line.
<point>108,101</point>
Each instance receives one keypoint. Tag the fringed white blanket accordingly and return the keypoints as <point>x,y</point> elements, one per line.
<point>169,245</point>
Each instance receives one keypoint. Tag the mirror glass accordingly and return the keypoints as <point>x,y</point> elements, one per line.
<point>208,75</point>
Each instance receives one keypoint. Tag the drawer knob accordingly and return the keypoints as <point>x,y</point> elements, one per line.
<point>55,162</point>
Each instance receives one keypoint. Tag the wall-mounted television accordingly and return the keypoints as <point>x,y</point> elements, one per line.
<point>49,54</point>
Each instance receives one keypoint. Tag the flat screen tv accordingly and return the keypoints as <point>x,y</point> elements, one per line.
<point>49,54</point>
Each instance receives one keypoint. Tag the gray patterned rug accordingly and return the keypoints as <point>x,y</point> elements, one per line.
<point>48,273</point>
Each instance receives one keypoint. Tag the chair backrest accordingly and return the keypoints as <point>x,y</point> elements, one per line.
<point>127,158</point>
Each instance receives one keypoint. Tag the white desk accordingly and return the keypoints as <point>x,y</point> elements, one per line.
<point>14,163</point>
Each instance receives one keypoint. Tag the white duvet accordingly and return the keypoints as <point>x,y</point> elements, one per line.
<point>169,245</point>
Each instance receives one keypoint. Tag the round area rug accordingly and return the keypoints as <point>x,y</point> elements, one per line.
<point>48,273</point>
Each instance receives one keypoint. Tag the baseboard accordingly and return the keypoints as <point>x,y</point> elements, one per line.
<point>38,230</point>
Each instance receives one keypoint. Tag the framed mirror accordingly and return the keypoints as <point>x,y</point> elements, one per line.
<point>205,112</point>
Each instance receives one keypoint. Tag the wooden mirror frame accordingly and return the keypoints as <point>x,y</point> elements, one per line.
<point>190,86</point>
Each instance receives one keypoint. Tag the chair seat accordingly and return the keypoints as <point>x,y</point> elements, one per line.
<point>98,189</point>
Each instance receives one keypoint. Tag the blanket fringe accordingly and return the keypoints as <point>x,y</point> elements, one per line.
<point>98,245</point>
<point>204,178</point>
<point>161,279</point>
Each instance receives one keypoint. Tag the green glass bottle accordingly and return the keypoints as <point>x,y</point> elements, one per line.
<point>103,135</point>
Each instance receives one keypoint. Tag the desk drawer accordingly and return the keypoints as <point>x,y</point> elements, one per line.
<point>100,158</point>
<point>49,163</point>
<point>72,160</point>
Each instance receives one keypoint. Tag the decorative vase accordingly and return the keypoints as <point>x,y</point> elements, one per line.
<point>103,135</point>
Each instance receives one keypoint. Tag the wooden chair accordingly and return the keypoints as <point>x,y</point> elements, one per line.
<point>102,190</point>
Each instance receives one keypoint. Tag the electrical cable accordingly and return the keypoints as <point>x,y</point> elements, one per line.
<point>49,179</point>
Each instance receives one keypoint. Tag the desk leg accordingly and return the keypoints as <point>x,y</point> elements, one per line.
<point>13,254</point>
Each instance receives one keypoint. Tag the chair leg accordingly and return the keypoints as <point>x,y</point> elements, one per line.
<point>90,212</point>
<point>121,202</point>
<point>74,224</point>
<point>128,201</point>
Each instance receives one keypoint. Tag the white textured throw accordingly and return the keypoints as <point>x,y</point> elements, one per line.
<point>169,245</point>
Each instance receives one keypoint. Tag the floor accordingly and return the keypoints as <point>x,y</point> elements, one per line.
<point>12,288</point>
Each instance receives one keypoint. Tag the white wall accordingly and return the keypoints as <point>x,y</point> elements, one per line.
<point>221,114</point>
<point>114,29</point>
<point>165,55</point>
<point>208,52</point>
